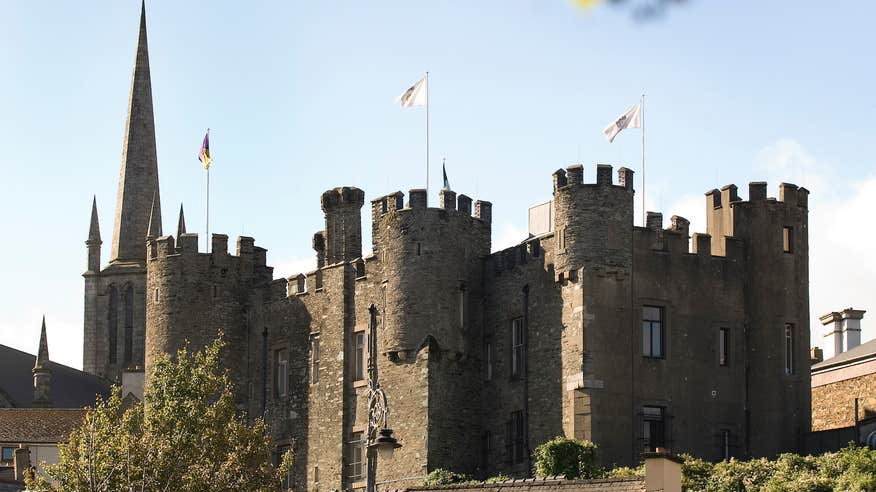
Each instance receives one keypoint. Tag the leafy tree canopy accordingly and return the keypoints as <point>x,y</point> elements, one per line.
<point>186,435</point>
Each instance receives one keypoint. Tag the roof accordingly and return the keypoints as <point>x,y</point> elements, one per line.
<point>863,351</point>
<point>71,388</point>
<point>38,425</point>
<point>548,484</point>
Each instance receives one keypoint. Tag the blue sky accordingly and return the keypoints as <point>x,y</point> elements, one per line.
<point>299,96</point>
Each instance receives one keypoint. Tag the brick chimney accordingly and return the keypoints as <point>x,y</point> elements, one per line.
<point>842,331</point>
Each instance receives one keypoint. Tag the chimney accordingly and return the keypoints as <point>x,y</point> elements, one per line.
<point>662,471</point>
<point>842,331</point>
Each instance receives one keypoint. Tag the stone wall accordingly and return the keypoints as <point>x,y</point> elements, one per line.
<point>833,405</point>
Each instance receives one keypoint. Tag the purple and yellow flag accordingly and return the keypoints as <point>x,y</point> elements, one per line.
<point>204,154</point>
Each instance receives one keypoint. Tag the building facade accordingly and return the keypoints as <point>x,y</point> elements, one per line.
<point>633,337</point>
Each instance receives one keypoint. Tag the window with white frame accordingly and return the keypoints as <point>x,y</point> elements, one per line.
<point>652,332</point>
<point>314,360</point>
<point>359,356</point>
<point>356,453</point>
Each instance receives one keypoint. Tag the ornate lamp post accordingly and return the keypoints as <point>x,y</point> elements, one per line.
<point>378,411</point>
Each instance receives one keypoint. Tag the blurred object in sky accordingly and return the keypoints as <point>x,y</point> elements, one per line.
<point>587,4</point>
<point>642,10</point>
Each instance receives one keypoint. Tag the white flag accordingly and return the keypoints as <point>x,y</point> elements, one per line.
<point>414,96</point>
<point>630,119</point>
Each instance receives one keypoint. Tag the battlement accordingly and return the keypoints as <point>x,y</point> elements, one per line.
<point>790,195</point>
<point>574,176</point>
<point>249,257</point>
<point>418,200</point>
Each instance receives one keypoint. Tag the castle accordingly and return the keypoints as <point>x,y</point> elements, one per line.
<point>633,337</point>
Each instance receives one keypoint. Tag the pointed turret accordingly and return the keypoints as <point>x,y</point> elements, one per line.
<point>181,225</point>
<point>154,229</point>
<point>42,374</point>
<point>93,242</point>
<point>138,178</point>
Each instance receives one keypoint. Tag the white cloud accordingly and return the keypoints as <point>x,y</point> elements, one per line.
<point>787,161</point>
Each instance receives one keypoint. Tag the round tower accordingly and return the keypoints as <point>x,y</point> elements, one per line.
<point>593,223</point>
<point>431,260</point>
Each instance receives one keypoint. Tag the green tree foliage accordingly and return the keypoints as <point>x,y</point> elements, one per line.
<point>570,458</point>
<point>186,435</point>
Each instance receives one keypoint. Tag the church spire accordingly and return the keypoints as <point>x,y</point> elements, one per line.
<point>154,229</point>
<point>42,374</point>
<point>138,177</point>
<point>181,225</point>
<point>94,228</point>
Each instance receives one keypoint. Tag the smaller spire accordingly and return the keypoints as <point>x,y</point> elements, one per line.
<point>154,229</point>
<point>181,225</point>
<point>94,228</point>
<point>42,357</point>
<point>42,374</point>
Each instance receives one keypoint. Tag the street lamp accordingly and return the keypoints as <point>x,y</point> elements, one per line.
<point>378,411</point>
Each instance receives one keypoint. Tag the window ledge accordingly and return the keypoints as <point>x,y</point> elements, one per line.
<point>360,383</point>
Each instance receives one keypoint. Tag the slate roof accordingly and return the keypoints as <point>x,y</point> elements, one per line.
<point>38,425</point>
<point>71,388</point>
<point>863,351</point>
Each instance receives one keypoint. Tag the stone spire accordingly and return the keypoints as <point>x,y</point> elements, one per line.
<point>154,229</point>
<point>93,243</point>
<point>42,374</point>
<point>138,178</point>
<point>181,225</point>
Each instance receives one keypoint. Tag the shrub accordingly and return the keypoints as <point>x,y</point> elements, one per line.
<point>440,476</point>
<point>570,458</point>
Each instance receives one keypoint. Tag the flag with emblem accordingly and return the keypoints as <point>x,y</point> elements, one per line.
<point>204,154</point>
<point>630,119</point>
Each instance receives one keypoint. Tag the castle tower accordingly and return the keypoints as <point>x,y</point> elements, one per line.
<point>42,374</point>
<point>138,178</point>
<point>776,236</point>
<point>115,297</point>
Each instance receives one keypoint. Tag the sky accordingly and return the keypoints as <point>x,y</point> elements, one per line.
<point>299,98</point>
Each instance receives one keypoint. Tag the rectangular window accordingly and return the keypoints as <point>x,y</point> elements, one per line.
<point>725,444</point>
<point>789,348</point>
<point>723,346</point>
<point>286,483</point>
<point>8,454</point>
<point>486,448</point>
<point>652,331</point>
<point>356,467</point>
<point>359,356</point>
<point>488,360</point>
<point>281,372</point>
<point>314,360</point>
<point>788,239</point>
<point>561,239</point>
<point>516,438</point>
<point>462,312</point>
<point>518,353</point>
<point>653,428</point>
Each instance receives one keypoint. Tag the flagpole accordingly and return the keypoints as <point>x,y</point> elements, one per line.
<point>644,212</point>
<point>427,136</point>
<point>207,239</point>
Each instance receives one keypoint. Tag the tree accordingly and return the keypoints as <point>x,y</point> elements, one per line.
<point>186,435</point>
